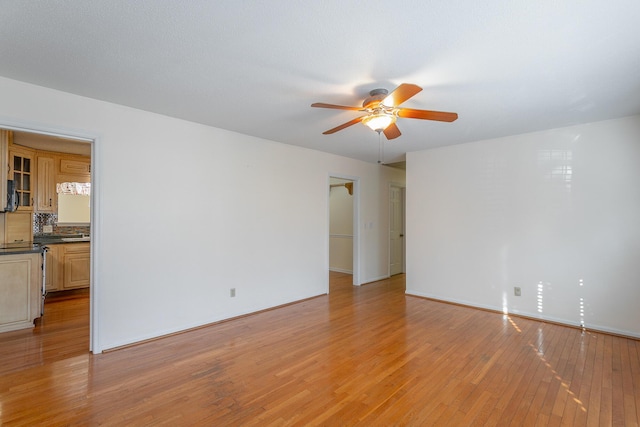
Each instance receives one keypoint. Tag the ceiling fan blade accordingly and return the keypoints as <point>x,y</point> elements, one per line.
<point>441,116</point>
<point>344,125</point>
<point>392,131</point>
<point>401,94</point>
<point>336,107</point>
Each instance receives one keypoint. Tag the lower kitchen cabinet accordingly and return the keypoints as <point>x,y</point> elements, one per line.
<point>76,266</point>
<point>20,294</point>
<point>68,267</point>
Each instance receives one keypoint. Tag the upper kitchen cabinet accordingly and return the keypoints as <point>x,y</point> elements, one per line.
<point>21,170</point>
<point>75,167</point>
<point>47,200</point>
<point>54,168</point>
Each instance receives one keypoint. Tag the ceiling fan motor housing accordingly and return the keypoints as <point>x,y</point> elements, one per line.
<point>375,96</point>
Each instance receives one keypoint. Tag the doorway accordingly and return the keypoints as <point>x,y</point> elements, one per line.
<point>343,226</point>
<point>396,230</point>
<point>62,163</point>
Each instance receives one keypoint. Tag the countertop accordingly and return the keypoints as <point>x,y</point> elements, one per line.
<point>39,242</point>
<point>53,239</point>
<point>20,248</point>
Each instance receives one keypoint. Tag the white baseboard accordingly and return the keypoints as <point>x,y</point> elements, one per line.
<point>341,270</point>
<point>374,279</point>
<point>591,327</point>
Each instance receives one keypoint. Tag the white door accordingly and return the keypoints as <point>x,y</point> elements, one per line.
<point>396,228</point>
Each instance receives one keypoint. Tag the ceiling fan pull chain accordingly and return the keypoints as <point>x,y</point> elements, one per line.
<point>380,149</point>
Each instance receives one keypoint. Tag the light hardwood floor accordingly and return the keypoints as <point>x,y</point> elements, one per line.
<point>367,356</point>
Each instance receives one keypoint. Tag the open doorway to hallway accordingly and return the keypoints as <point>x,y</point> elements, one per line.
<point>343,227</point>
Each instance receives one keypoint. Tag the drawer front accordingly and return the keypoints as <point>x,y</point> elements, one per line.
<point>76,248</point>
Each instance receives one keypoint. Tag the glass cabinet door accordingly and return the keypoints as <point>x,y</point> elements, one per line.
<point>22,178</point>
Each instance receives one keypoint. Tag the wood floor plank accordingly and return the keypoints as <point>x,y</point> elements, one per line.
<point>368,356</point>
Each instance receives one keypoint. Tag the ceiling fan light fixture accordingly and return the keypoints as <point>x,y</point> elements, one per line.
<point>379,122</point>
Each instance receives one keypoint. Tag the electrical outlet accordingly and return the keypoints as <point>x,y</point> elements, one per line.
<point>517,291</point>
<point>232,292</point>
<point>47,229</point>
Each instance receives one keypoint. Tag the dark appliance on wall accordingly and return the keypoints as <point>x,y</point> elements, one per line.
<point>12,196</point>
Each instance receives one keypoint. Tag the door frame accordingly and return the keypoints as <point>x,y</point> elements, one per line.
<point>93,139</point>
<point>356,224</point>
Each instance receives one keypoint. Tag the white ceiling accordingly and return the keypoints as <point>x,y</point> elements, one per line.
<point>255,66</point>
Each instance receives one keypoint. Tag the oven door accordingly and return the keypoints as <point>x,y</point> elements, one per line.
<point>44,278</point>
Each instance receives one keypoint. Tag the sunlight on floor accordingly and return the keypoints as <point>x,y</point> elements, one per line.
<point>539,350</point>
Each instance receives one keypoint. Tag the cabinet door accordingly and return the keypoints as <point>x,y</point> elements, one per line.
<point>46,188</point>
<point>77,266</point>
<point>18,227</point>
<point>20,290</point>
<point>21,164</point>
<point>75,167</point>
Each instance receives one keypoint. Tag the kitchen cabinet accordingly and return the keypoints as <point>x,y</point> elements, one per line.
<point>76,264</point>
<point>68,266</point>
<point>75,166</point>
<point>20,294</point>
<point>22,172</point>
<point>4,166</point>
<point>46,196</point>
<point>18,227</point>
<point>53,279</point>
<point>53,168</point>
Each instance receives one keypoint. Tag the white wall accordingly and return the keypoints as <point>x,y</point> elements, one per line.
<point>556,213</point>
<point>184,212</point>
<point>340,230</point>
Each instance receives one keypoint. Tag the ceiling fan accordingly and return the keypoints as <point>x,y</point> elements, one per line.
<point>383,109</point>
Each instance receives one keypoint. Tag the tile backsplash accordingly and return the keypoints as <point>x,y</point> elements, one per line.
<point>42,219</point>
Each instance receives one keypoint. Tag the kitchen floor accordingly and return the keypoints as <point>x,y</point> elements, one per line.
<point>61,333</point>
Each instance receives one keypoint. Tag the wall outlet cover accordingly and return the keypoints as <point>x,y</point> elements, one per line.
<point>47,229</point>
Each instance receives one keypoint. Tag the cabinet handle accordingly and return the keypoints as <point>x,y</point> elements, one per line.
<point>49,202</point>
